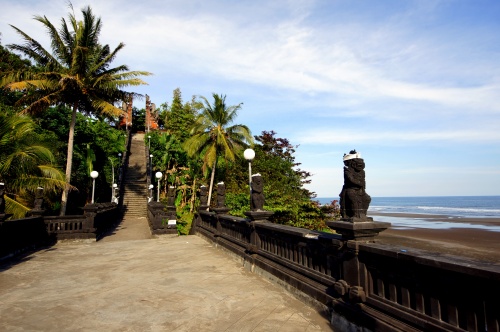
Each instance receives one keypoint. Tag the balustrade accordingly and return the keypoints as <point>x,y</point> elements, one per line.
<point>411,291</point>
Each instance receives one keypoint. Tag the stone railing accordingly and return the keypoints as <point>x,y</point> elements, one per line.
<point>361,283</point>
<point>23,234</point>
<point>96,220</point>
<point>158,217</point>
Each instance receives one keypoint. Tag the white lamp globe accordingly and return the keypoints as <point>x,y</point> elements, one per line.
<point>115,185</point>
<point>158,175</point>
<point>94,174</point>
<point>249,154</point>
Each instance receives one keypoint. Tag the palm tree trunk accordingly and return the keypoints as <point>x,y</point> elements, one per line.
<point>193,196</point>
<point>69,161</point>
<point>211,183</point>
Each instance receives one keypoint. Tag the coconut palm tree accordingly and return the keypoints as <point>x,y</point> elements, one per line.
<point>77,73</point>
<point>213,137</point>
<point>25,163</point>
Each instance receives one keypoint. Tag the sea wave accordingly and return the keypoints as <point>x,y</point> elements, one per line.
<point>439,210</point>
<point>453,206</point>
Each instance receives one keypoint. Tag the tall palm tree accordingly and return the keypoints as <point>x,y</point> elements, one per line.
<point>25,162</point>
<point>213,137</point>
<point>77,72</point>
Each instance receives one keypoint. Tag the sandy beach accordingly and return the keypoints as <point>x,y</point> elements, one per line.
<point>468,237</point>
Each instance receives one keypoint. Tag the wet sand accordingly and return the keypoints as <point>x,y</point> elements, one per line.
<point>480,244</point>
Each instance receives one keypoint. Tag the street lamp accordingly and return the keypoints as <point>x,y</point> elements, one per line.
<point>93,175</point>
<point>119,168</point>
<point>150,165</point>
<point>249,154</point>
<point>149,144</point>
<point>114,199</point>
<point>158,175</point>
<point>150,192</point>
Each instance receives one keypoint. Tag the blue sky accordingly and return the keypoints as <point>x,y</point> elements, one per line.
<point>414,86</point>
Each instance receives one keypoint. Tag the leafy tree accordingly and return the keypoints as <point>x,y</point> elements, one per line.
<point>99,137</point>
<point>10,62</point>
<point>213,136</point>
<point>77,73</point>
<point>180,117</point>
<point>139,123</point>
<point>283,184</point>
<point>26,162</point>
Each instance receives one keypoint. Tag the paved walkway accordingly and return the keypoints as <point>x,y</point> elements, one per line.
<point>130,228</point>
<point>157,284</point>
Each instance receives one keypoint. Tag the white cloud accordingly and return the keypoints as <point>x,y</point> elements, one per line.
<point>370,76</point>
<point>391,137</point>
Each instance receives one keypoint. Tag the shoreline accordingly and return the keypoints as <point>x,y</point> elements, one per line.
<point>486,221</point>
<point>475,243</point>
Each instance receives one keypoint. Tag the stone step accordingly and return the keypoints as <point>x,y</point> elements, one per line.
<point>135,186</point>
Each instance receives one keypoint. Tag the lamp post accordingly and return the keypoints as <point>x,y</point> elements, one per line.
<point>158,175</point>
<point>119,167</point>
<point>150,192</point>
<point>149,137</point>
<point>93,175</point>
<point>151,164</point>
<point>113,198</point>
<point>249,154</point>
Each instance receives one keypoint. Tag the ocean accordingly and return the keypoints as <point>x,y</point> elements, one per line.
<point>448,206</point>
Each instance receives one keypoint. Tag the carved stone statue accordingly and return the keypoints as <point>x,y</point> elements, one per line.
<point>354,201</point>
<point>171,196</point>
<point>221,195</point>
<point>257,201</point>
<point>38,204</point>
<point>203,195</point>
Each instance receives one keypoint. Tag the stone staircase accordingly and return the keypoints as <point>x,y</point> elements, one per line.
<point>135,190</point>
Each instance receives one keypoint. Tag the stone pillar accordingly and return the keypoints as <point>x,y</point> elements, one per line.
<point>171,210</point>
<point>203,198</point>
<point>221,199</point>
<point>3,215</point>
<point>38,209</point>
<point>257,212</point>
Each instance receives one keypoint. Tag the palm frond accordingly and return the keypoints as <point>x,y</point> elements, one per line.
<point>16,208</point>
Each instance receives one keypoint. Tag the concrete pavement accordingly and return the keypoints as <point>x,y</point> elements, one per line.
<point>156,284</point>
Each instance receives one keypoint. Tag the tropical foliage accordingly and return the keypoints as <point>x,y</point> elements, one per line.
<point>26,163</point>
<point>76,72</point>
<point>283,184</point>
<point>73,90</point>
<point>97,146</point>
<point>213,136</point>
<point>186,170</point>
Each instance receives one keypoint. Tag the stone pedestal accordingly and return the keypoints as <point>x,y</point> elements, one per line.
<point>36,213</point>
<point>220,210</point>
<point>259,215</point>
<point>361,230</point>
<point>203,208</point>
<point>171,216</point>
